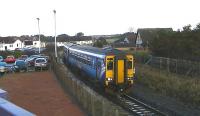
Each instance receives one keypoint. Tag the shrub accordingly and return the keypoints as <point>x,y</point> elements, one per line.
<point>184,89</point>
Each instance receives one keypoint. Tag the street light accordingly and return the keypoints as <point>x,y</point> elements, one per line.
<point>54,11</point>
<point>39,32</point>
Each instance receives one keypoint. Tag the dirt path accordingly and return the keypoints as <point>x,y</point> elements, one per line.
<point>39,93</point>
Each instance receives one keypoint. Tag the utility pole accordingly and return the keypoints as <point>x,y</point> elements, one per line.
<point>39,33</point>
<point>56,55</point>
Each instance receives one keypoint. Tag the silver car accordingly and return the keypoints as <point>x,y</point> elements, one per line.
<point>41,63</point>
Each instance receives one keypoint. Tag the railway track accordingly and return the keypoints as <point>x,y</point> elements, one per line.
<point>137,107</point>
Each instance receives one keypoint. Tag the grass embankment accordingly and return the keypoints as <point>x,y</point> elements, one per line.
<point>183,88</point>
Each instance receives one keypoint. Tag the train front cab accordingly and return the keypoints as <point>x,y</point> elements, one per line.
<point>119,72</point>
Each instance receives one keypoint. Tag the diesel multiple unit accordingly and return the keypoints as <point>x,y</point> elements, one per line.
<point>111,68</point>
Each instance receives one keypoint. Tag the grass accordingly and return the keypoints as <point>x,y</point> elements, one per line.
<point>186,90</point>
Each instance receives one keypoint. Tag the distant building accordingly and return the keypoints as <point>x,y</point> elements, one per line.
<point>145,35</point>
<point>33,42</point>
<point>127,41</point>
<point>10,43</point>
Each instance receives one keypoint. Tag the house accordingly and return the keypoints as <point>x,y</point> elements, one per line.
<point>145,35</point>
<point>10,43</point>
<point>32,42</point>
<point>83,40</point>
<point>127,40</point>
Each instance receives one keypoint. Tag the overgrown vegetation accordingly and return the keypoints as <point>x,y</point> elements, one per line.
<point>141,56</point>
<point>177,44</point>
<point>184,89</point>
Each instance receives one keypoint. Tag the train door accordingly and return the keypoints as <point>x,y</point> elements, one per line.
<point>120,71</point>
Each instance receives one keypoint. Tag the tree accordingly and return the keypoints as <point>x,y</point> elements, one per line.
<point>79,34</point>
<point>197,28</point>
<point>100,42</point>
<point>187,28</point>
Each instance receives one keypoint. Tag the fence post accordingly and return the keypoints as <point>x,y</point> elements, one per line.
<point>199,68</point>
<point>93,109</point>
<point>176,66</point>
<point>168,63</point>
<point>116,112</point>
<point>160,65</point>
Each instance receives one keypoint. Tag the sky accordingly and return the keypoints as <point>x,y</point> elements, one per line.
<point>94,17</point>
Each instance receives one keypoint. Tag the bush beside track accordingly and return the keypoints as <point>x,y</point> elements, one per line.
<point>186,90</point>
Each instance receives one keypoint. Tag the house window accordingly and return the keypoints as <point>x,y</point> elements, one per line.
<point>11,45</point>
<point>17,45</point>
<point>35,43</point>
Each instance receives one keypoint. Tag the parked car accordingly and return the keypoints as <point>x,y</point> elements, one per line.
<point>1,58</point>
<point>20,65</point>
<point>10,67</point>
<point>31,60</point>
<point>10,59</point>
<point>3,68</point>
<point>23,57</point>
<point>41,63</point>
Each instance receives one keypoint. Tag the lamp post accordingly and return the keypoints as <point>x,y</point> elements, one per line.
<point>39,32</point>
<point>54,11</point>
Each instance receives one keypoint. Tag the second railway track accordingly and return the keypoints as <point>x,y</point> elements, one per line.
<point>137,107</point>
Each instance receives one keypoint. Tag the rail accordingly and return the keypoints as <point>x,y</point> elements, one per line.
<point>137,107</point>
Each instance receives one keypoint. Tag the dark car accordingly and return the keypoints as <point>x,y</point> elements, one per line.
<point>23,57</point>
<point>20,65</point>
<point>31,60</point>
<point>1,58</point>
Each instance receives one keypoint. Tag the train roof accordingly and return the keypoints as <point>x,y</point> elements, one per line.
<point>95,50</point>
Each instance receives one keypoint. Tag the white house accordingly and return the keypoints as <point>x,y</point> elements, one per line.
<point>10,44</point>
<point>33,42</point>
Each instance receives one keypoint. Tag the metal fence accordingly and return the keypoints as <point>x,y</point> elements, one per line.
<point>183,67</point>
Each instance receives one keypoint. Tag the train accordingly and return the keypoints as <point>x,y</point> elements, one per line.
<point>111,68</point>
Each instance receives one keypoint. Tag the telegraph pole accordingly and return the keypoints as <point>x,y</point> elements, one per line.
<point>39,33</point>
<point>56,55</point>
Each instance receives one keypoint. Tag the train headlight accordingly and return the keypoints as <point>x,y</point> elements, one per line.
<point>109,79</point>
<point>129,78</point>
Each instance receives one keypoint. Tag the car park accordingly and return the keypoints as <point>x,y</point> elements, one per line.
<point>41,63</point>
<point>10,59</point>
<point>20,65</point>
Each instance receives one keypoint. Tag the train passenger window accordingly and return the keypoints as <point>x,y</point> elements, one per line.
<point>110,65</point>
<point>129,63</point>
